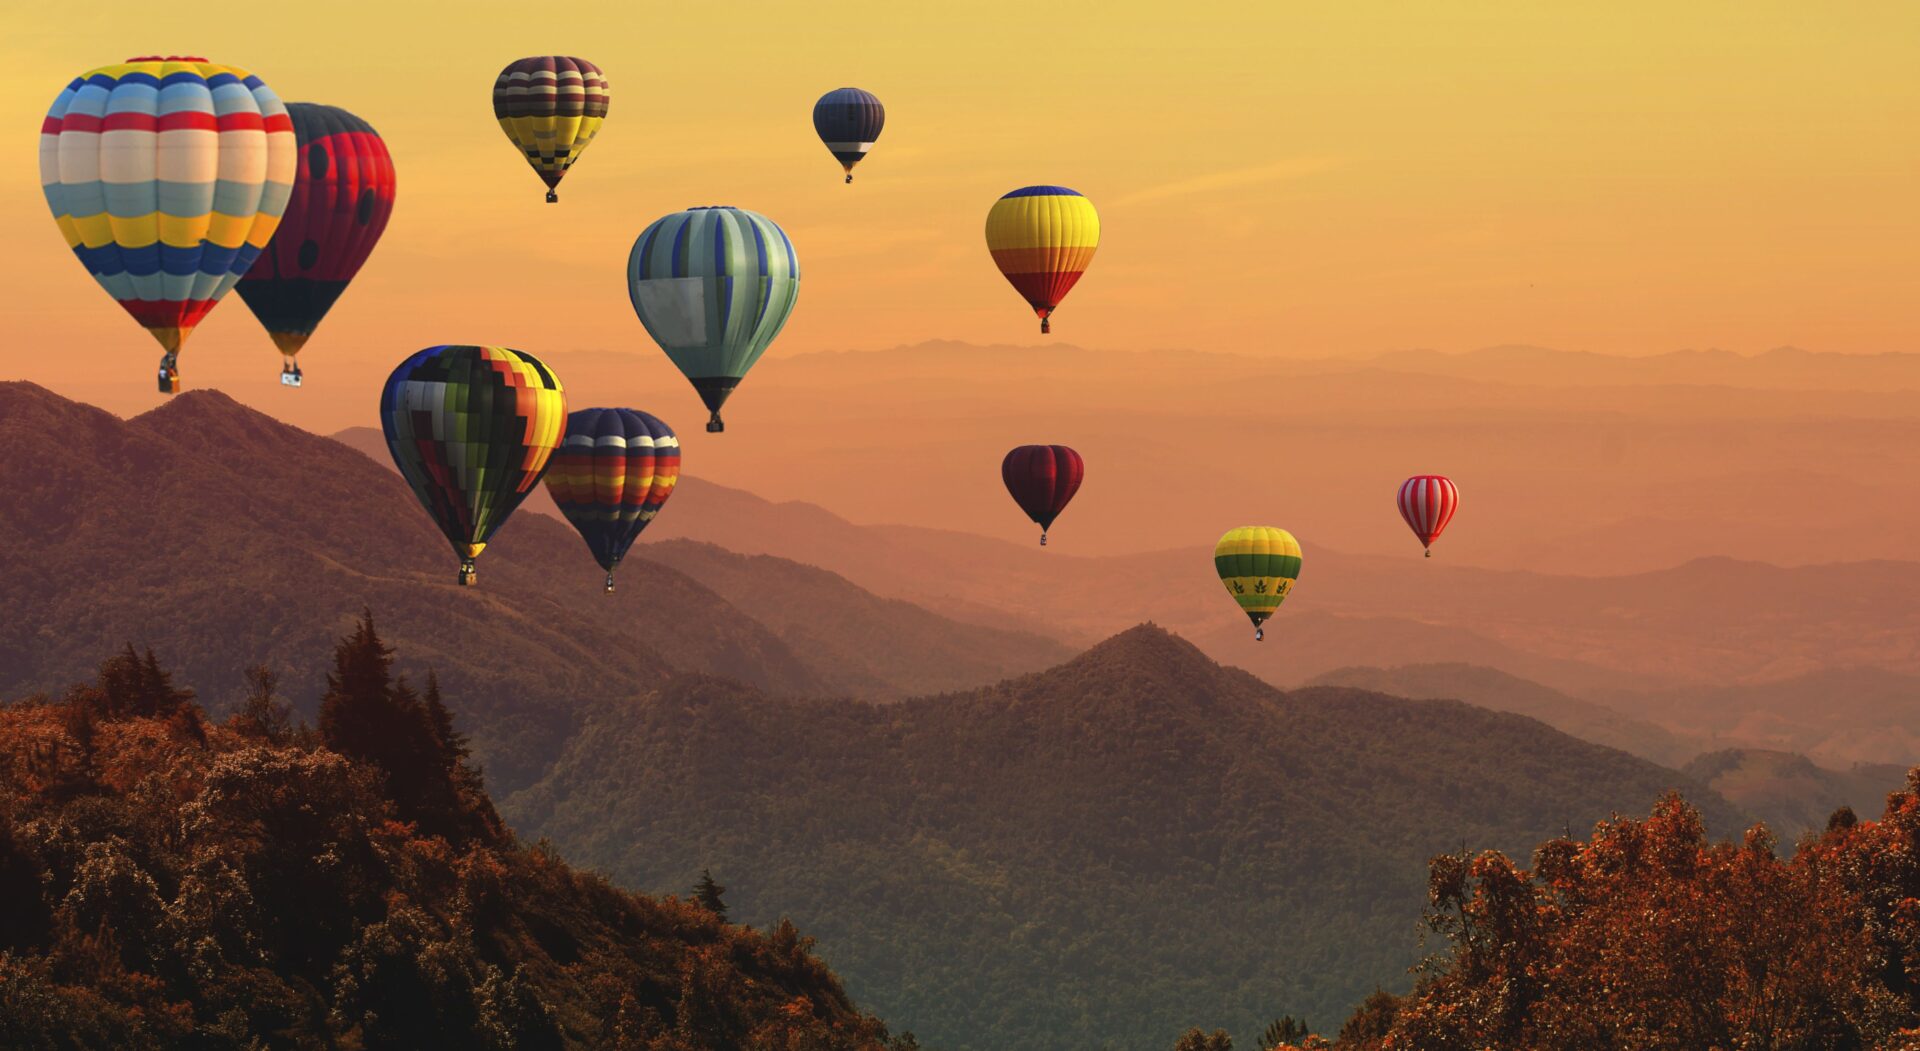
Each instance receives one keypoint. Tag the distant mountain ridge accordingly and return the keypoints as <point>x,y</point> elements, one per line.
<point>221,536</point>
<point>1083,855</point>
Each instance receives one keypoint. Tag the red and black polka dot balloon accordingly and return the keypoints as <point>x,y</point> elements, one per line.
<point>342,198</point>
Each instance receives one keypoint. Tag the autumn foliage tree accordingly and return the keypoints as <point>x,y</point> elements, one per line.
<point>1649,935</point>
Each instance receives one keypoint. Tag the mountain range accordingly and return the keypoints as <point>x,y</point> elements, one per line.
<point>1086,856</point>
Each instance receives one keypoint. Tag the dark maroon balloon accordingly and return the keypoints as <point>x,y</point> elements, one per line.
<point>1042,478</point>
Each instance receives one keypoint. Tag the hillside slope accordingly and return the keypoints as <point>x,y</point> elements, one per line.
<point>1089,854</point>
<point>1490,688</point>
<point>172,884</point>
<point>1790,793</point>
<point>222,537</point>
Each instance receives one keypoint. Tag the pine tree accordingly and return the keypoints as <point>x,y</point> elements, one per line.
<point>450,742</point>
<point>1284,1030</point>
<point>708,894</point>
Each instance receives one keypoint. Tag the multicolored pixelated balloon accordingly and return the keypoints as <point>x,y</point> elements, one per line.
<point>714,287</point>
<point>551,107</point>
<point>849,121</point>
<point>1427,502</point>
<point>471,429</point>
<point>343,192</point>
<point>167,177</point>
<point>1258,565</point>
<point>1042,479</point>
<point>611,475</point>
<point>1042,239</point>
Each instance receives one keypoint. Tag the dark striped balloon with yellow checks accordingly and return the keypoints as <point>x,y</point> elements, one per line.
<point>551,107</point>
<point>471,429</point>
<point>1258,565</point>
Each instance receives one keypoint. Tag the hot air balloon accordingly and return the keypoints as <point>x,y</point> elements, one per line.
<point>612,473</point>
<point>849,120</point>
<point>342,197</point>
<point>1042,238</point>
<point>714,286</point>
<point>167,176</point>
<point>551,106</point>
<point>471,429</point>
<point>1042,478</point>
<point>1427,502</point>
<point>1258,564</point>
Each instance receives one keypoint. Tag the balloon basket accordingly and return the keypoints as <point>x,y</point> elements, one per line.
<point>468,574</point>
<point>1043,538</point>
<point>1259,634</point>
<point>552,197</point>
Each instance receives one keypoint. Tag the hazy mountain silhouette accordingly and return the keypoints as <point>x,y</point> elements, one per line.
<point>1789,792</point>
<point>1087,854</point>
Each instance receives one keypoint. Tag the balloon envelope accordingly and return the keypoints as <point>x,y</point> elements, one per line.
<point>1258,565</point>
<point>1042,239</point>
<point>471,430</point>
<point>167,177</point>
<point>1427,502</point>
<point>342,197</point>
<point>849,121</point>
<point>1042,479</point>
<point>551,107</point>
<point>610,476</point>
<point>714,287</point>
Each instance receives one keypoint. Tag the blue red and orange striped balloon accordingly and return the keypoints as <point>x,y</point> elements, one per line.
<point>342,197</point>
<point>611,475</point>
<point>1042,238</point>
<point>167,177</point>
<point>471,430</point>
<point>849,121</point>
<point>1042,479</point>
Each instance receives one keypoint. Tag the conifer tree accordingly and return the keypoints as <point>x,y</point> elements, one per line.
<point>708,893</point>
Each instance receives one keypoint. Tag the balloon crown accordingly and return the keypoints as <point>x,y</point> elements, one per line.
<point>712,208</point>
<point>166,58</point>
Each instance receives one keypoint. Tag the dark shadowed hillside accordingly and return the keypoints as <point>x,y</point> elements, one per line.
<point>1089,854</point>
<point>218,536</point>
<point>170,883</point>
<point>1494,689</point>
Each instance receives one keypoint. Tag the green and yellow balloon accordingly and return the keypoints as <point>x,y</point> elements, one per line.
<point>1258,565</point>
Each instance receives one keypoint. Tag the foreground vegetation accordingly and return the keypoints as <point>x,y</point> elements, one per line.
<point>169,882</point>
<point>1647,935</point>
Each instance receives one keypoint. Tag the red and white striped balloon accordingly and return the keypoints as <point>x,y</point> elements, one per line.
<point>1427,502</point>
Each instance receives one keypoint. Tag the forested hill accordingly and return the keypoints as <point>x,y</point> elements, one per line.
<point>168,882</point>
<point>1095,854</point>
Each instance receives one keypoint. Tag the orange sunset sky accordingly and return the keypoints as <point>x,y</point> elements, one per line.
<point>1286,180</point>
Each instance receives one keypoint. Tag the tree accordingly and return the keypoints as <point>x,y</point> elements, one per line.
<point>133,685</point>
<point>708,894</point>
<point>263,715</point>
<point>1195,1040</point>
<point>448,741</point>
<point>1284,1030</point>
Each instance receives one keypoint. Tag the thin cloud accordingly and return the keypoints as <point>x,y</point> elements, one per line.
<point>1234,178</point>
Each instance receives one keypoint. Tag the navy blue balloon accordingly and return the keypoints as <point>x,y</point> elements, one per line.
<point>849,120</point>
